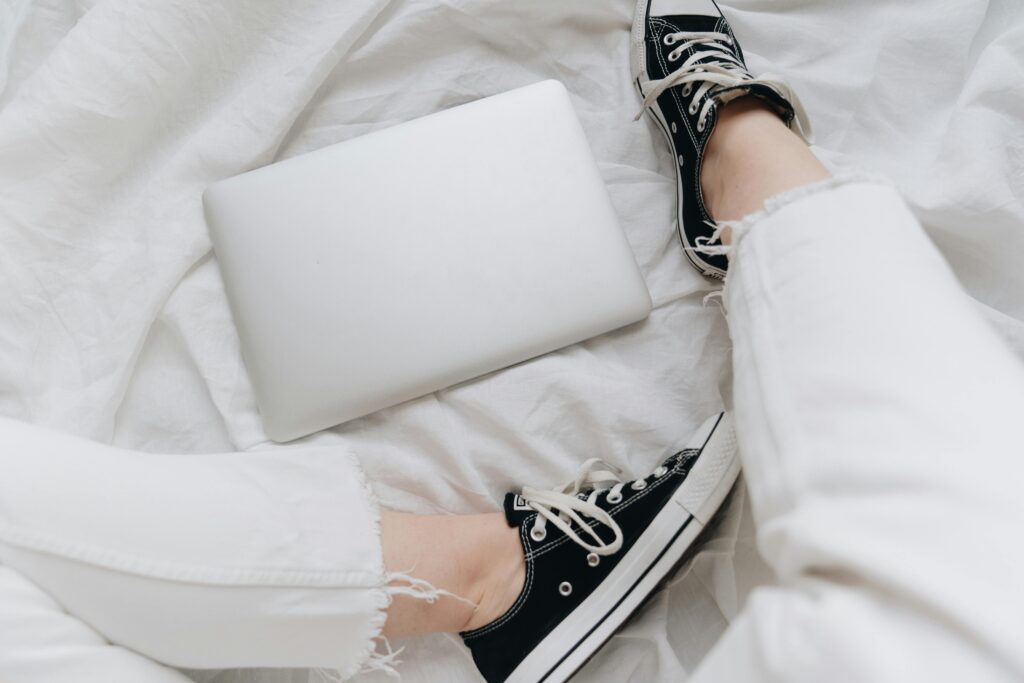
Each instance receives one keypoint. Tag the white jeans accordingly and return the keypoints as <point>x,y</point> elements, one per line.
<point>882,438</point>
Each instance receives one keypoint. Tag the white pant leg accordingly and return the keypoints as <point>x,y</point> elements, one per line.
<point>268,559</point>
<point>881,426</point>
<point>41,643</point>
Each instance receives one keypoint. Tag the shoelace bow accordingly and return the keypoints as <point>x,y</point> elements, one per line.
<point>562,506</point>
<point>712,70</point>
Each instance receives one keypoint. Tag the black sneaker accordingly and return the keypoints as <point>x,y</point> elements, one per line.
<point>595,550</point>
<point>685,64</point>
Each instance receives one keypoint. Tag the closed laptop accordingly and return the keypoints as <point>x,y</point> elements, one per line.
<point>416,257</point>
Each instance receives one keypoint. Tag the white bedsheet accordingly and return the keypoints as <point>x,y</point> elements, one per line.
<point>113,323</point>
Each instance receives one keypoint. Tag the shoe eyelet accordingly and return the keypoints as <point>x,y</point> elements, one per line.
<point>593,559</point>
<point>614,498</point>
<point>661,471</point>
<point>700,126</point>
<point>538,534</point>
<point>680,159</point>
<point>669,39</point>
<point>638,485</point>
<point>687,89</point>
<point>692,109</point>
<point>673,56</point>
<point>565,588</point>
<point>674,129</point>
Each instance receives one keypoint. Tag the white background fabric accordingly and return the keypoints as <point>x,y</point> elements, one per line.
<point>113,324</point>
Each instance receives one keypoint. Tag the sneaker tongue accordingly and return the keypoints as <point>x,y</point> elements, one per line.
<point>516,509</point>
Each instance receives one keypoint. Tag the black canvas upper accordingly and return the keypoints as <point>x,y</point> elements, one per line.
<point>501,645</point>
<point>687,140</point>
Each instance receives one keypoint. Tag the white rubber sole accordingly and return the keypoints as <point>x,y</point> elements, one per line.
<point>637,58</point>
<point>658,550</point>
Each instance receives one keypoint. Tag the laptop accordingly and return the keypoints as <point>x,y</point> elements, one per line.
<point>405,261</point>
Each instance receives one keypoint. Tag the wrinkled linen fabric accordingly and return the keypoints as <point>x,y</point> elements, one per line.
<point>115,115</point>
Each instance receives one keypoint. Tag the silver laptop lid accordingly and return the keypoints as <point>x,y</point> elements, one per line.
<point>395,264</point>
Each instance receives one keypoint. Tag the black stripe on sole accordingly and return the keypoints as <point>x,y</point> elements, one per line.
<point>713,524</point>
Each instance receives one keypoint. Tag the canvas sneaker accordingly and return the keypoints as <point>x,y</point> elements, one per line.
<point>686,64</point>
<point>595,550</point>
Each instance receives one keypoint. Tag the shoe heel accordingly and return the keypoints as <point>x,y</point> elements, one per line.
<point>711,479</point>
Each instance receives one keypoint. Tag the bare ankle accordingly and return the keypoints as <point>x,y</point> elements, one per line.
<point>499,578</point>
<point>744,128</point>
<point>468,559</point>
<point>752,156</point>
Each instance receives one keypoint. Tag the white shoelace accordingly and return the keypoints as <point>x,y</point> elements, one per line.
<point>713,70</point>
<point>569,507</point>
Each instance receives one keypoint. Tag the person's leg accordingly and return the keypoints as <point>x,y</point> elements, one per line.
<point>879,421</point>
<point>266,558</point>
<point>737,176</point>
<point>273,558</point>
<point>41,643</point>
<point>476,557</point>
